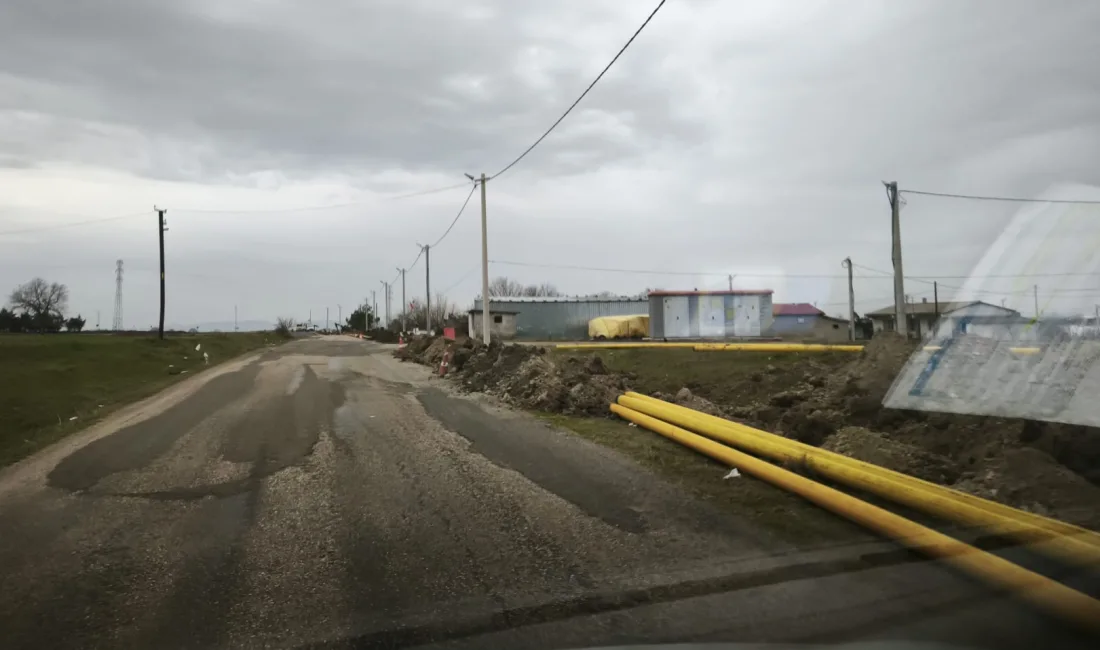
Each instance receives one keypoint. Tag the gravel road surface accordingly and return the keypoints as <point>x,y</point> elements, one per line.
<point>323,494</point>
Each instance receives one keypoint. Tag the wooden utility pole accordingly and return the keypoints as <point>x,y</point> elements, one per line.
<point>902,327</point>
<point>936,299</point>
<point>847,263</point>
<point>161,227</point>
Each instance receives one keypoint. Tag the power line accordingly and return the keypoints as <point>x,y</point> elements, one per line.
<point>322,207</point>
<point>455,220</point>
<point>461,279</point>
<point>75,223</point>
<point>1011,199</point>
<point>586,90</point>
<point>685,273</point>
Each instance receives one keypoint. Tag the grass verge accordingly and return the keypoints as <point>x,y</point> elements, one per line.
<point>47,380</point>
<point>783,514</point>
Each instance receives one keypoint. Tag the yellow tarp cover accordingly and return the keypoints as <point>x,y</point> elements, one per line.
<point>619,327</point>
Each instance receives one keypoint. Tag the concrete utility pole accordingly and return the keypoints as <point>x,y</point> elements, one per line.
<point>731,282</point>
<point>339,316</point>
<point>386,300</point>
<point>161,228</point>
<point>404,305</point>
<point>428,288</point>
<point>902,327</point>
<point>326,319</point>
<point>373,308</point>
<point>936,299</point>
<point>1035,293</point>
<point>484,261</point>
<point>847,263</point>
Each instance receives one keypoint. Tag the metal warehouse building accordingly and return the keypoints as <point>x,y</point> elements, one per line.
<point>558,319</point>
<point>709,314</point>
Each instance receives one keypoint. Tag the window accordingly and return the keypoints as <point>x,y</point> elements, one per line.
<point>498,318</point>
<point>801,320</point>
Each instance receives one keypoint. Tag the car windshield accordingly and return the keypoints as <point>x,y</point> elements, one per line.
<point>549,325</point>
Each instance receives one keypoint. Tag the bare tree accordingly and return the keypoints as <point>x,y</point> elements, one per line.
<point>503,287</point>
<point>40,298</point>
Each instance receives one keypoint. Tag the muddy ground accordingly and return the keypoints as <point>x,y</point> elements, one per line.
<point>828,400</point>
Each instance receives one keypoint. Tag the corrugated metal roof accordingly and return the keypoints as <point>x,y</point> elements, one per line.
<point>795,309</point>
<point>930,308</point>
<point>735,292</point>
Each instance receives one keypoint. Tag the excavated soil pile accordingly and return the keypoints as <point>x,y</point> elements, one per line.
<point>524,375</point>
<point>1039,466</point>
<point>1044,467</point>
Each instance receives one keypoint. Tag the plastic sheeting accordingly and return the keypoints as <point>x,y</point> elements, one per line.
<point>619,327</point>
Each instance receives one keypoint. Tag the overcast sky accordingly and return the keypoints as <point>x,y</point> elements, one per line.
<point>734,137</point>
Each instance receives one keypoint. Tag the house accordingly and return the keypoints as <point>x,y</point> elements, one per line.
<point>502,327</point>
<point>709,314</point>
<point>973,316</point>
<point>801,320</point>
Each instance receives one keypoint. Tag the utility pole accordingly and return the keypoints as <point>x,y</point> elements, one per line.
<point>161,228</point>
<point>326,319</point>
<point>404,310</point>
<point>374,307</point>
<point>731,282</point>
<point>936,298</point>
<point>427,285</point>
<point>899,276</point>
<point>484,261</point>
<point>1035,293</point>
<point>386,300</point>
<point>97,319</point>
<point>339,317</point>
<point>117,323</point>
<point>847,263</point>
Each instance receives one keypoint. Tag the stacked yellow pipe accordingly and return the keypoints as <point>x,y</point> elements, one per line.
<point>1056,538</point>
<point>776,347</point>
<point>1046,594</point>
<point>622,346</point>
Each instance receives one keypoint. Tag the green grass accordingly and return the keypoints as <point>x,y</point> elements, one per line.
<point>785,515</point>
<point>47,379</point>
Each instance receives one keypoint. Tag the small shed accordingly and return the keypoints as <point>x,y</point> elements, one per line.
<point>502,327</point>
<point>801,320</point>
<point>709,314</point>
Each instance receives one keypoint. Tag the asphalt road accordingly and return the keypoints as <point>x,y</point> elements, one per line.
<point>324,494</point>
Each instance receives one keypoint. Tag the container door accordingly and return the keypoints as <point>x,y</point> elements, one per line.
<point>712,317</point>
<point>677,325</point>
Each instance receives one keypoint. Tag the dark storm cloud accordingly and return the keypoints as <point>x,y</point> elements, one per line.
<point>303,86</point>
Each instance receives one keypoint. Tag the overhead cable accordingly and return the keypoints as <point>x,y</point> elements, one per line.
<point>586,90</point>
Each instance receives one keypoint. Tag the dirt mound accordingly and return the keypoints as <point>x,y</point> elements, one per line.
<point>684,397</point>
<point>523,375</point>
<point>1030,479</point>
<point>872,447</point>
